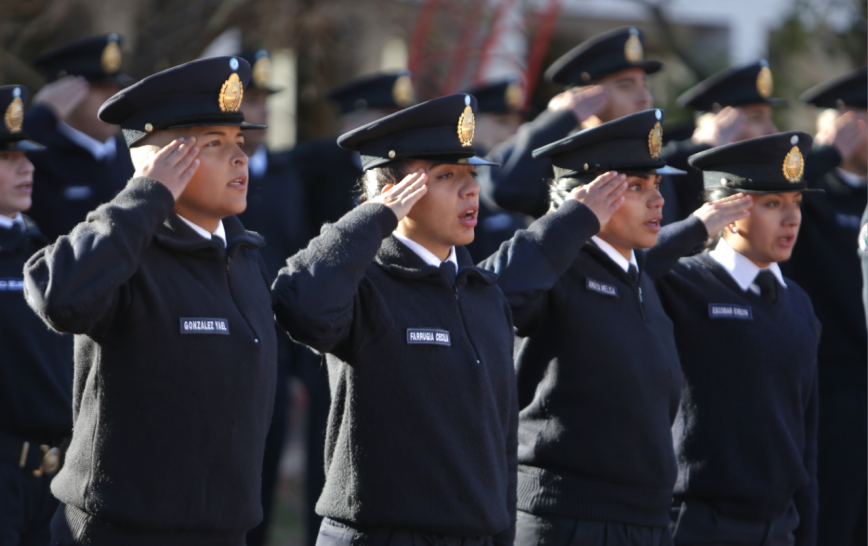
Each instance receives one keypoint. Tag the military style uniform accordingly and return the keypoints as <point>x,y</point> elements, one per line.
<point>521,183</point>
<point>421,434</point>
<point>826,264</point>
<point>76,173</point>
<point>35,371</point>
<point>599,380</point>
<point>175,344</point>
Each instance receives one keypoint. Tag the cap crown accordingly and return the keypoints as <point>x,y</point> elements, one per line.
<point>611,52</point>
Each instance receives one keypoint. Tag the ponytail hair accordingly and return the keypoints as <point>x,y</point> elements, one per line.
<point>710,196</point>
<point>372,181</point>
<point>560,188</point>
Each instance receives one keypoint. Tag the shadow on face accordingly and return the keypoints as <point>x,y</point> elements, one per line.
<point>628,94</point>
<point>636,223</point>
<point>769,234</point>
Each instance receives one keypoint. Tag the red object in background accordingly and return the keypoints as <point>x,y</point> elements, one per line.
<point>454,42</point>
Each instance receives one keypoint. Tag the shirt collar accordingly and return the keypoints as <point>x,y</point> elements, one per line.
<point>219,232</point>
<point>8,223</point>
<point>740,268</point>
<point>616,256</point>
<point>851,179</point>
<point>258,163</point>
<point>99,150</point>
<point>427,256</point>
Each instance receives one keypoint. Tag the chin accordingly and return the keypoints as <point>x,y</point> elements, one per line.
<point>464,239</point>
<point>645,241</point>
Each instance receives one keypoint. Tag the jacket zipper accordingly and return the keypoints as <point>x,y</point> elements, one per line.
<point>641,300</point>
<point>229,285</point>
<point>464,323</point>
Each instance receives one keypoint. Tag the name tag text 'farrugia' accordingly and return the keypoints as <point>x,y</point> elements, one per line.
<point>428,336</point>
<point>204,325</point>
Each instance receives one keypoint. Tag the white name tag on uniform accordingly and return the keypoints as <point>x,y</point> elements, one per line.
<point>729,311</point>
<point>428,336</point>
<point>76,193</point>
<point>11,284</point>
<point>205,326</point>
<point>601,288</point>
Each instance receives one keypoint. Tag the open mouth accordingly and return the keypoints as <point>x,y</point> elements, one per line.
<point>787,240</point>
<point>26,187</point>
<point>238,183</point>
<point>468,217</point>
<point>654,223</point>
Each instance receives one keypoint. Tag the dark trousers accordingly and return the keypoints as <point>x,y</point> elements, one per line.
<point>274,443</point>
<point>532,530</point>
<point>333,533</point>
<point>695,523</point>
<point>841,463</point>
<point>26,507</point>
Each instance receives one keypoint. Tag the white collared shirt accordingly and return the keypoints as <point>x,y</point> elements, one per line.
<point>741,269</point>
<point>258,162</point>
<point>219,232</point>
<point>851,179</point>
<point>7,223</point>
<point>427,256</point>
<point>99,150</point>
<point>616,256</point>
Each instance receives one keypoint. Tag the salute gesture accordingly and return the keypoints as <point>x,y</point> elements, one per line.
<point>401,197</point>
<point>603,196</point>
<point>174,165</point>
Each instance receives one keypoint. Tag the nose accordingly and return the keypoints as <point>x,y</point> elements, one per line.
<point>771,128</point>
<point>793,217</point>
<point>239,157</point>
<point>655,201</point>
<point>470,187</point>
<point>26,166</point>
<point>645,99</point>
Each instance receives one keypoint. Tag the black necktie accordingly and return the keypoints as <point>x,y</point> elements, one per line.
<point>448,269</point>
<point>767,284</point>
<point>633,273</point>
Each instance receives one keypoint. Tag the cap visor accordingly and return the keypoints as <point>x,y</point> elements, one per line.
<point>23,145</point>
<point>455,160</point>
<point>670,170</point>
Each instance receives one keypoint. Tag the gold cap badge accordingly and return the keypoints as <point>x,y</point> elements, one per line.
<point>14,115</point>
<point>764,82</point>
<point>231,94</point>
<point>514,96</point>
<point>403,92</point>
<point>111,58</point>
<point>466,124</point>
<point>261,72</point>
<point>633,50</point>
<point>794,165</point>
<point>655,140</point>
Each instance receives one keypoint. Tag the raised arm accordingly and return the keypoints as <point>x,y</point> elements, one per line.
<point>316,296</point>
<point>75,283</point>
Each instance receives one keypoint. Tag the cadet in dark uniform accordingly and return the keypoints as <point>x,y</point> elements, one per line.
<point>35,362</point>
<point>421,440</point>
<point>733,105</point>
<point>276,209</point>
<point>826,263</point>
<point>746,431</point>
<point>499,115</point>
<point>611,73</point>
<point>598,375</point>
<point>175,343</point>
<point>330,174</point>
<point>85,162</point>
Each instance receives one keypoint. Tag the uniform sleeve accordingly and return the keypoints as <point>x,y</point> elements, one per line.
<point>75,284</point>
<point>534,259</point>
<point>316,296</point>
<point>40,122</point>
<point>520,184</point>
<point>674,242</point>
<point>806,498</point>
<point>820,161</point>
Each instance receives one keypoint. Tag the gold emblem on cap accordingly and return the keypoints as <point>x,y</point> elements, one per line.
<point>655,140</point>
<point>466,127</point>
<point>111,58</point>
<point>764,82</point>
<point>261,72</point>
<point>403,92</point>
<point>633,50</point>
<point>514,96</point>
<point>14,115</point>
<point>794,165</point>
<point>231,94</point>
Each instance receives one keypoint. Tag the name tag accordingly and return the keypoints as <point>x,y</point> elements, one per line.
<point>848,220</point>
<point>601,288</point>
<point>76,193</point>
<point>11,285</point>
<point>729,311</point>
<point>427,336</point>
<point>205,326</point>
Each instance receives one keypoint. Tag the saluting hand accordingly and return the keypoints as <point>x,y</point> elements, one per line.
<point>63,96</point>
<point>724,212</point>
<point>402,196</point>
<point>847,133</point>
<point>174,165</point>
<point>585,102</point>
<point>603,196</point>
<point>725,127</point>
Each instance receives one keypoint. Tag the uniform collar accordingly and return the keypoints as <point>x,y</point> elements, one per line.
<point>427,256</point>
<point>851,179</point>
<point>616,256</point>
<point>219,232</point>
<point>179,235</point>
<point>740,268</point>
<point>397,258</point>
<point>99,150</point>
<point>7,223</point>
<point>258,163</point>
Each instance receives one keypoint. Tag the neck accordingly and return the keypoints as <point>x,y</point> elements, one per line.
<point>747,253</point>
<point>205,221</point>
<point>12,215</point>
<point>622,250</point>
<point>436,248</point>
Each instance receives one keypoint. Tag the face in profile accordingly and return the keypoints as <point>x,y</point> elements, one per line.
<point>16,182</point>
<point>769,234</point>
<point>628,94</point>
